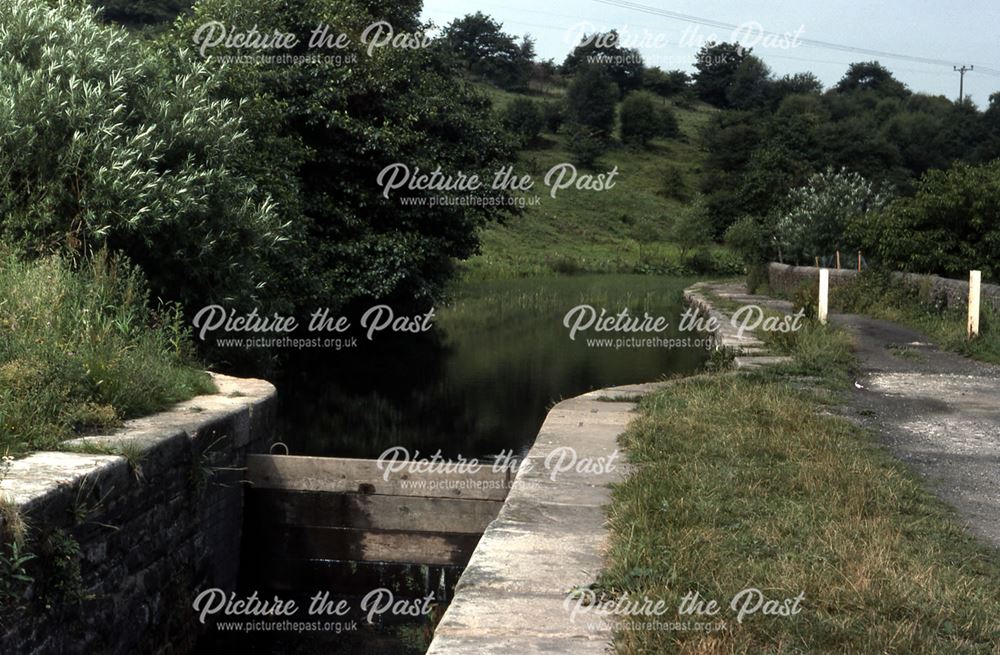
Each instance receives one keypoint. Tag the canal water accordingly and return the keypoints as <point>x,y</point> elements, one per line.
<point>476,385</point>
<point>482,380</point>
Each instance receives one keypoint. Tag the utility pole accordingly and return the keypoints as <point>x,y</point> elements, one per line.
<point>961,81</point>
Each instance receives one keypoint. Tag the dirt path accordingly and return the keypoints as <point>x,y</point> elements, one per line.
<point>937,411</point>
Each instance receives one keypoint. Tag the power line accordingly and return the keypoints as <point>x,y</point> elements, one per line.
<point>713,23</point>
<point>655,11</point>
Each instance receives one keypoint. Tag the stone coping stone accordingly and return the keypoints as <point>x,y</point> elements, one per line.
<point>751,352</point>
<point>42,478</point>
<point>550,537</point>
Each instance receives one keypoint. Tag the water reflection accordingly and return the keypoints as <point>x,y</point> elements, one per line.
<point>483,379</point>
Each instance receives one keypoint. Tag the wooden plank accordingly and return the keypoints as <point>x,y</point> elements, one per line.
<point>436,548</point>
<point>335,474</point>
<point>351,510</point>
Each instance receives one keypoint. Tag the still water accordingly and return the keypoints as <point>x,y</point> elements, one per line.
<point>479,383</point>
<point>482,380</point>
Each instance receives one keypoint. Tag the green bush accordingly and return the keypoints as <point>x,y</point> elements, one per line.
<point>553,114</point>
<point>701,263</point>
<point>326,131</point>
<point>674,184</point>
<point>949,227</point>
<point>585,145</point>
<point>643,118</point>
<point>108,141</point>
<point>691,228</point>
<point>806,298</point>
<point>669,127</point>
<point>640,121</point>
<point>816,221</point>
<point>591,99</point>
<point>523,118</point>
<point>747,237</point>
<point>80,349</point>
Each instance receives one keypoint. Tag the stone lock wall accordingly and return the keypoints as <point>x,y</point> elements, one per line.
<point>125,542</point>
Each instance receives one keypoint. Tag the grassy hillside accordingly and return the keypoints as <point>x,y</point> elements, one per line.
<point>623,229</point>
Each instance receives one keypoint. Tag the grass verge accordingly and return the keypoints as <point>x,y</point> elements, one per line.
<point>745,481</point>
<point>80,350</point>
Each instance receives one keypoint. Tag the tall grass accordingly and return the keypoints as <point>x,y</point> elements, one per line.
<point>81,349</point>
<point>742,481</point>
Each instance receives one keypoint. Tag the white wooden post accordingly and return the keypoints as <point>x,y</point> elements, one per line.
<point>824,294</point>
<point>975,282</point>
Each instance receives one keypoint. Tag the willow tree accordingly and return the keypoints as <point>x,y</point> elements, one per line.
<point>106,141</point>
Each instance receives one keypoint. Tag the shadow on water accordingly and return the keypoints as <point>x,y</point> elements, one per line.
<point>482,380</point>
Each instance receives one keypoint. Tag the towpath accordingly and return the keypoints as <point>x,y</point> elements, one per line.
<point>937,411</point>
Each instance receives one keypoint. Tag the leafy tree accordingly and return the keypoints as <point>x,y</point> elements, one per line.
<point>717,65</point>
<point>921,140</point>
<point>766,178</point>
<point>750,85</point>
<point>591,99</point>
<point>948,227</point>
<point>486,50</point>
<point>815,221</point>
<point>342,126</point>
<point>639,118</point>
<point>797,84</point>
<point>691,228</point>
<point>104,142</point>
<point>871,76</point>
<point>989,146</point>
<point>665,83</point>
<point>524,118</point>
<point>544,74</point>
<point>623,65</point>
<point>674,184</point>
<point>553,114</point>
<point>748,237</point>
<point>586,145</point>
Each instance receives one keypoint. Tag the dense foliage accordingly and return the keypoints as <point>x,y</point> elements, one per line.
<point>775,133</point>
<point>478,41</point>
<point>591,99</point>
<point>951,224</point>
<point>643,118</point>
<point>623,65</point>
<point>815,217</point>
<point>141,14</point>
<point>105,142</point>
<point>328,127</point>
<point>524,118</point>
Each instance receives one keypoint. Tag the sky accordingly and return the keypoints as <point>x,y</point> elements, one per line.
<point>959,32</point>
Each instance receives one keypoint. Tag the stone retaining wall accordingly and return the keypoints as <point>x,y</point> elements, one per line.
<point>550,537</point>
<point>938,290</point>
<point>125,543</point>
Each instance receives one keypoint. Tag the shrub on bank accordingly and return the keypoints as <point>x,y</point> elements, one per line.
<point>108,141</point>
<point>523,118</point>
<point>80,349</point>
<point>948,227</point>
